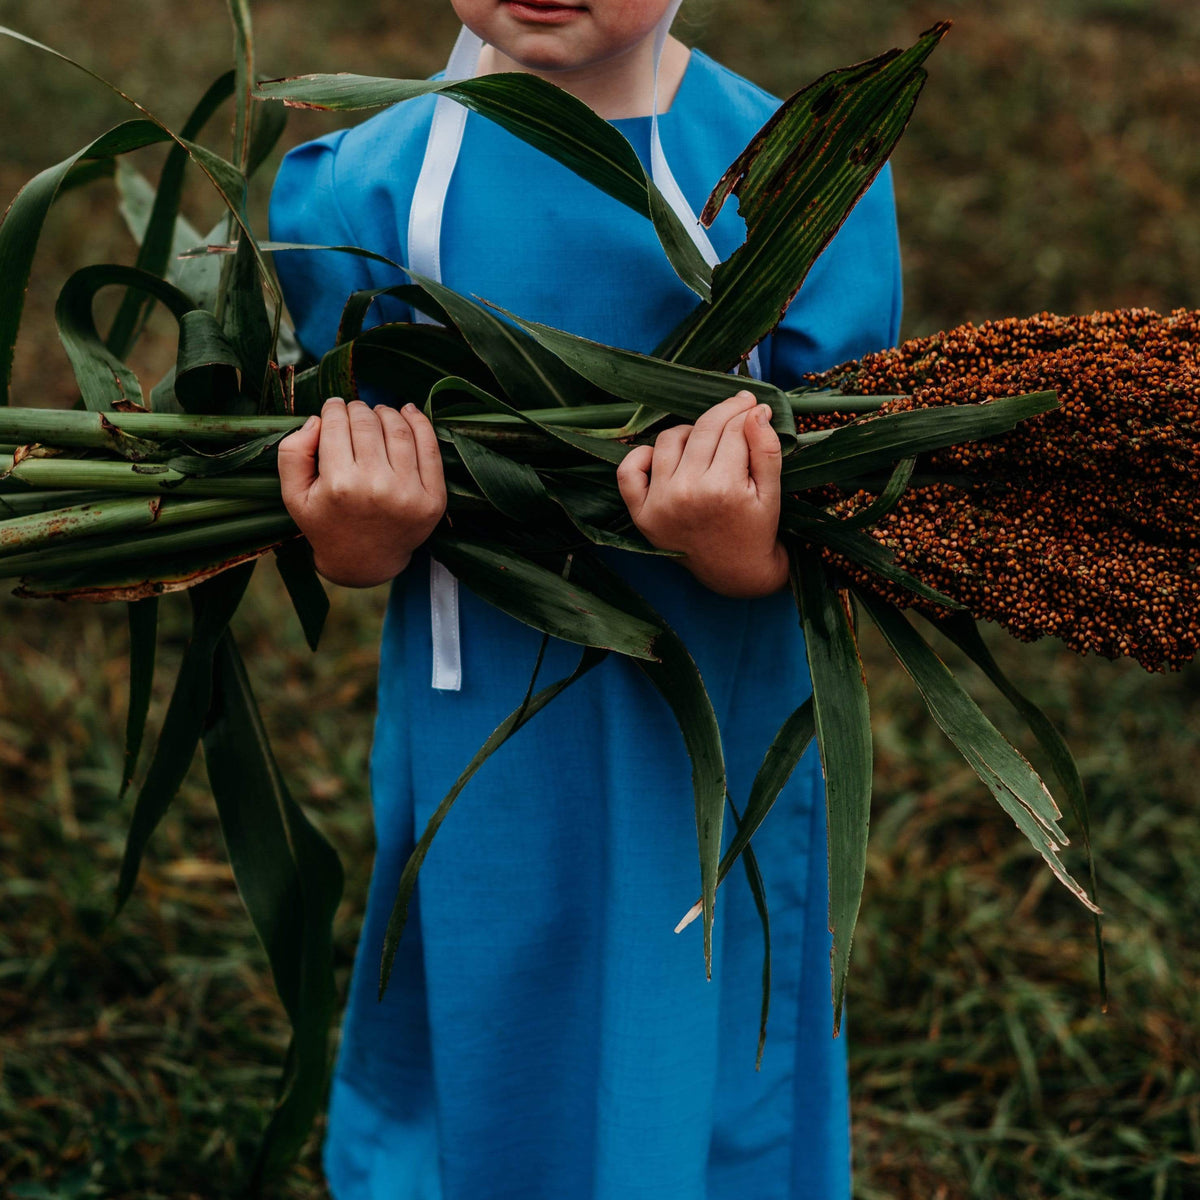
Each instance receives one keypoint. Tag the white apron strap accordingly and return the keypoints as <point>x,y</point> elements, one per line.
<point>424,256</point>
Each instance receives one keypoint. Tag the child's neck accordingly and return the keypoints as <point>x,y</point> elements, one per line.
<point>616,88</point>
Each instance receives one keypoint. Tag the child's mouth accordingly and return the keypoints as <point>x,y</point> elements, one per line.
<point>542,12</point>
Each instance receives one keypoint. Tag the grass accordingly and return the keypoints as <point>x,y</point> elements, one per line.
<point>1051,164</point>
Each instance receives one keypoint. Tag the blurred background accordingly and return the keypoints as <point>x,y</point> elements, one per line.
<point>1051,164</point>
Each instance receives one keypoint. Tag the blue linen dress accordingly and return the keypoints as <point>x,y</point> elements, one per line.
<point>545,1033</point>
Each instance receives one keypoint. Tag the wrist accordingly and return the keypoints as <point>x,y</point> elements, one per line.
<point>741,578</point>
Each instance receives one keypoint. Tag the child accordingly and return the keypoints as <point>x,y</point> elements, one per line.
<point>544,1033</point>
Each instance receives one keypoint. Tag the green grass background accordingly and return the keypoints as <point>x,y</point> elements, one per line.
<point>1051,164</point>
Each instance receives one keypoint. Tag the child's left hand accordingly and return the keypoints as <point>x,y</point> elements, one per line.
<point>711,490</point>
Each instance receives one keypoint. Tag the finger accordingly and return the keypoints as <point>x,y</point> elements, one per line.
<point>428,452</point>
<point>706,434</point>
<point>633,478</point>
<point>366,436</point>
<point>668,450</point>
<point>397,441</point>
<point>297,458</point>
<point>336,453</point>
<point>766,454</point>
<point>731,460</point>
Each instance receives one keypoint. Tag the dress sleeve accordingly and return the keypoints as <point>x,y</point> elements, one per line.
<point>305,209</point>
<point>850,303</point>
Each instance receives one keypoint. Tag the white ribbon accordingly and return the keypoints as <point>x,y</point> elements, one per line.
<point>424,256</point>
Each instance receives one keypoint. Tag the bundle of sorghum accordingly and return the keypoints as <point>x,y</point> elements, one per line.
<point>1084,522</point>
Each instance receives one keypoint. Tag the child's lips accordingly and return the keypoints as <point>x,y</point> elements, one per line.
<point>542,12</point>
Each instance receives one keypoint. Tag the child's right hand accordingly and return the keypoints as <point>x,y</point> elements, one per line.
<point>377,496</point>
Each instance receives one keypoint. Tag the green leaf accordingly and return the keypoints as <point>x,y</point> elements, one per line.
<point>962,630</point>
<point>512,487</point>
<point>104,379</point>
<point>213,604</point>
<point>143,641</point>
<point>877,442</point>
<point>843,724</point>
<point>530,377</point>
<point>526,711</point>
<point>294,561</point>
<point>797,181</point>
<point>539,113</point>
<point>1008,776</point>
<point>543,599</point>
<point>248,326</point>
<point>208,370</point>
<point>161,232</point>
<point>677,679</point>
<point>290,881</point>
<point>758,891</point>
<point>22,225</point>
<point>683,391</point>
<point>814,525</point>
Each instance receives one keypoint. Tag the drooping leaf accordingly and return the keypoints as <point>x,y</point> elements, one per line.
<point>22,226</point>
<point>248,326</point>
<point>104,379</point>
<point>843,725</point>
<point>677,679</point>
<point>294,561</point>
<point>290,881</point>
<point>160,231</point>
<point>669,387</point>
<point>878,442</point>
<point>1008,775</point>
<point>208,370</point>
<point>539,113</point>
<point>797,181</point>
<point>962,630</point>
<point>542,598</point>
<point>525,712</point>
<point>758,891</point>
<point>213,604</point>
<point>143,642</point>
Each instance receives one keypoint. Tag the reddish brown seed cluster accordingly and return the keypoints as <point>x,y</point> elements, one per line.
<point>1082,523</point>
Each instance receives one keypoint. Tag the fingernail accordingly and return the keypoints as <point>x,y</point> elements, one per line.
<point>409,408</point>
<point>335,400</point>
<point>310,422</point>
<point>748,395</point>
<point>762,414</point>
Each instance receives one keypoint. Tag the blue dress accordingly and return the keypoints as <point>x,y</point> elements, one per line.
<point>545,1033</point>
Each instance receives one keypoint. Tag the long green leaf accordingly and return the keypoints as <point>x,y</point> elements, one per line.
<point>539,113</point>
<point>843,724</point>
<point>878,442</point>
<point>143,643</point>
<point>294,561</point>
<point>759,892</point>
<point>290,881</point>
<point>1008,776</point>
<point>543,599</point>
<point>105,381</point>
<point>160,234</point>
<point>213,604</point>
<point>962,630</point>
<point>797,181</point>
<point>525,712</point>
<point>669,387</point>
<point>677,679</point>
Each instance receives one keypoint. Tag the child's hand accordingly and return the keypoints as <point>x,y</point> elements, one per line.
<point>379,492</point>
<point>712,490</point>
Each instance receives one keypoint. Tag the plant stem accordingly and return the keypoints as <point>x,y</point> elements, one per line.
<point>70,427</point>
<point>104,551</point>
<point>129,477</point>
<point>121,514</point>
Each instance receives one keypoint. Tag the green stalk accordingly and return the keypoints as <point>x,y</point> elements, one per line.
<point>18,504</point>
<point>129,477</point>
<point>103,552</point>
<point>122,514</point>
<point>92,430</point>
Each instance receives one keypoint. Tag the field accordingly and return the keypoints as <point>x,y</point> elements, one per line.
<point>1051,165</point>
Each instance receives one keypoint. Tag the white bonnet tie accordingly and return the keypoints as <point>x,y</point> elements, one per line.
<point>424,256</point>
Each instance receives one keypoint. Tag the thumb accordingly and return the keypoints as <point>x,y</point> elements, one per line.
<point>766,454</point>
<point>298,459</point>
<point>633,478</point>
